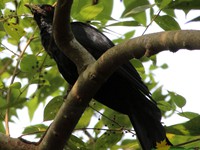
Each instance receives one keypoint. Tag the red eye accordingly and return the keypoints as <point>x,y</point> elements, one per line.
<point>48,8</point>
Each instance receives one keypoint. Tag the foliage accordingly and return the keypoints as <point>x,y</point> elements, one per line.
<point>29,77</point>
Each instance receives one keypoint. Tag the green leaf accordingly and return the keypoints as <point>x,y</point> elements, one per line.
<point>125,23</point>
<point>192,142</point>
<point>167,23</point>
<point>138,65</point>
<point>108,139</point>
<point>134,9</point>
<point>179,100</point>
<point>28,63</point>
<point>16,102</point>
<point>75,143</point>
<point>130,144</point>
<point>54,82</point>
<point>164,3</point>
<point>32,105</point>
<point>16,85</point>
<point>164,66</point>
<point>165,106</point>
<point>1,85</point>
<point>133,4</point>
<point>2,128</point>
<point>14,30</point>
<point>90,12</point>
<point>184,4</point>
<point>190,127</point>
<point>2,34</point>
<point>98,126</point>
<point>137,10</point>
<point>85,118</point>
<point>37,130</point>
<point>78,5</point>
<point>103,16</point>
<point>115,119</point>
<point>15,93</point>
<point>189,115</point>
<point>157,95</point>
<point>52,108</point>
<point>46,60</point>
<point>194,19</point>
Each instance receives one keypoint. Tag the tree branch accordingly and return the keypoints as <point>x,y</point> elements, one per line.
<point>8,143</point>
<point>64,37</point>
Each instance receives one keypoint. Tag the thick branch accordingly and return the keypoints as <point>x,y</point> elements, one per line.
<point>64,37</point>
<point>8,143</point>
<point>152,44</point>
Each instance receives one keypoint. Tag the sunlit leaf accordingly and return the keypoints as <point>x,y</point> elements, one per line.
<point>165,106</point>
<point>137,10</point>
<point>189,115</point>
<point>164,66</point>
<point>16,85</point>
<point>38,130</point>
<point>164,3</point>
<point>85,118</point>
<point>52,108</point>
<point>90,12</point>
<point>190,127</point>
<point>14,30</point>
<point>98,127</point>
<point>28,63</point>
<point>108,139</point>
<point>75,143</point>
<point>179,100</point>
<point>113,119</point>
<point>158,95</point>
<point>167,22</point>
<point>138,65</point>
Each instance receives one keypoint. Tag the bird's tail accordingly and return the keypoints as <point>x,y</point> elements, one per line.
<point>146,120</point>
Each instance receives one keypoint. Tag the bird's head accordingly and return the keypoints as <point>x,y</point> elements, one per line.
<point>42,13</point>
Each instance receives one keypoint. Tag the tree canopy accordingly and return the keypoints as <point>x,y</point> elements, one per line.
<point>29,78</point>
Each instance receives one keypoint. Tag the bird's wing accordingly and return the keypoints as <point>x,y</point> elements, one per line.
<point>95,39</point>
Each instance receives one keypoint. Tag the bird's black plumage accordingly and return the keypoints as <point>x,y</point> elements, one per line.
<point>124,90</point>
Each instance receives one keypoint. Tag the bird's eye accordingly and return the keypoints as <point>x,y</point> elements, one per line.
<point>48,8</point>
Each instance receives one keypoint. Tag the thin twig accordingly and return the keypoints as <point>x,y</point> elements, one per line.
<point>112,120</point>
<point>9,50</point>
<point>4,67</point>
<point>188,142</point>
<point>12,81</point>
<point>103,129</point>
<point>151,21</point>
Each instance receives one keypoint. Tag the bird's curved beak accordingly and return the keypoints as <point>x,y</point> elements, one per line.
<point>35,9</point>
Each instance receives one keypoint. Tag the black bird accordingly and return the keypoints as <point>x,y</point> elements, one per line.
<point>124,91</point>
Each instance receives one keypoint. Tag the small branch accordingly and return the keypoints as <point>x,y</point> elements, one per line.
<point>9,50</point>
<point>188,142</point>
<point>12,81</point>
<point>4,67</point>
<point>152,20</point>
